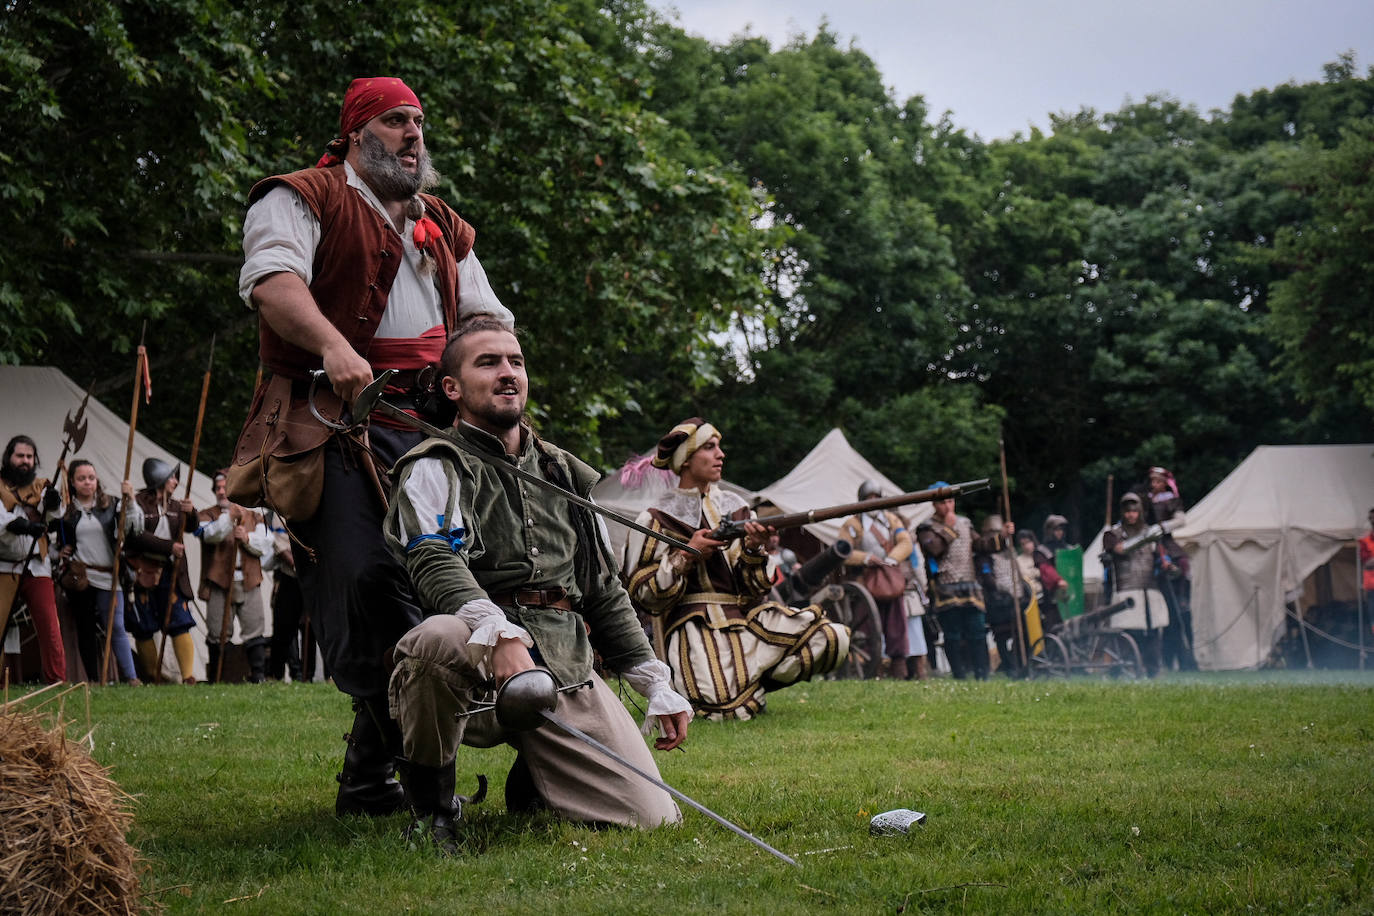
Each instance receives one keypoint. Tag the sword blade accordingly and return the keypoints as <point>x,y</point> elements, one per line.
<point>370,402</point>
<point>597,745</point>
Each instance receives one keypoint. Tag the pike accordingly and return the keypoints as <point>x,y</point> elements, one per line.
<point>1011,557</point>
<point>190,476</point>
<point>370,401</point>
<point>730,530</point>
<point>1149,535</point>
<point>115,589</point>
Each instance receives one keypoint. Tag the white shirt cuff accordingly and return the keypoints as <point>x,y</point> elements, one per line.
<point>653,680</point>
<point>489,625</point>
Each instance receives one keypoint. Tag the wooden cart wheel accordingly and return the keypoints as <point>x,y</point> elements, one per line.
<point>857,610</point>
<point>1049,657</point>
<point>1124,655</point>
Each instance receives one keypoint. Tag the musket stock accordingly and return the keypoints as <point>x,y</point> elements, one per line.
<point>729,530</point>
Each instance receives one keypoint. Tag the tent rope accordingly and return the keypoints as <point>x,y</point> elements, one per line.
<point>1322,633</point>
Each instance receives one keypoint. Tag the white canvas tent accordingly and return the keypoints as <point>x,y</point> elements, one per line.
<point>830,475</point>
<point>1283,513</point>
<point>37,400</point>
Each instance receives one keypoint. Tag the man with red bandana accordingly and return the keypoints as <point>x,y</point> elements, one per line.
<point>353,269</point>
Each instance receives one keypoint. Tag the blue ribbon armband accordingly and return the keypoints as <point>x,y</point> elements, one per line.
<point>454,539</point>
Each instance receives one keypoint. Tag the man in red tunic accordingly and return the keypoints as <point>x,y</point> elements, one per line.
<point>353,269</point>
<point>27,503</point>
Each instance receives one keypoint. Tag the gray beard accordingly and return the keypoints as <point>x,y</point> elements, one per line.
<point>386,176</point>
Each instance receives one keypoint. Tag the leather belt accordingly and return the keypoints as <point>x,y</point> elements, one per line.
<point>535,597</point>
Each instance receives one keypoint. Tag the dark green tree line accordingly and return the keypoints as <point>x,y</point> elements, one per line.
<point>139,127</point>
<point>761,235</point>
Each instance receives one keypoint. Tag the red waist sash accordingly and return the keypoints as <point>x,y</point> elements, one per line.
<point>408,354</point>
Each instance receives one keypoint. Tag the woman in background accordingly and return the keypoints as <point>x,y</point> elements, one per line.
<point>89,534</point>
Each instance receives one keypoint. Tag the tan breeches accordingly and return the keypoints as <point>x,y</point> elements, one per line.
<point>434,680</point>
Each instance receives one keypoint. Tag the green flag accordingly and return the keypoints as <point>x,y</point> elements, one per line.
<point>1068,562</point>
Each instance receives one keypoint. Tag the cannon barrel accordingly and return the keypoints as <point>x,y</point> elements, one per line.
<point>811,575</point>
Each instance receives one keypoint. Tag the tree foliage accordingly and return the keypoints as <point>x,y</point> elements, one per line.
<point>761,235</point>
<point>1322,319</point>
<point>140,126</point>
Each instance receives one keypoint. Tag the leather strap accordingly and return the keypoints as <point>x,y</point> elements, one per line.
<point>535,597</point>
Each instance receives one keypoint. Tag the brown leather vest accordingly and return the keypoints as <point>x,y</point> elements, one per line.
<point>356,262</point>
<point>29,496</point>
<point>144,550</point>
<point>217,560</point>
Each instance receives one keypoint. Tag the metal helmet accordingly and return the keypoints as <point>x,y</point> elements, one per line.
<point>1131,499</point>
<point>157,472</point>
<point>870,489</point>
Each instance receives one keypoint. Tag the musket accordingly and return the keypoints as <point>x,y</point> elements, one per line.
<point>190,476</point>
<point>369,400</point>
<point>115,586</point>
<point>75,429</point>
<point>730,530</point>
<point>1148,536</point>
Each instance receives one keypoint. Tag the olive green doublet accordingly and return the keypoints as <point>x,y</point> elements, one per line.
<point>517,536</point>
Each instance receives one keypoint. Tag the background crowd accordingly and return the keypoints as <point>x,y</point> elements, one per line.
<point>58,544</point>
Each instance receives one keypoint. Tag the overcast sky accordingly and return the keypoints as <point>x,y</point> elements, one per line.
<point>1002,65</point>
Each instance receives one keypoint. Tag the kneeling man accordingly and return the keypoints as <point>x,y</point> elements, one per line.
<point>511,576</point>
<point>728,645</point>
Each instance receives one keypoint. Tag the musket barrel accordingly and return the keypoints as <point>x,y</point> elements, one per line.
<point>868,505</point>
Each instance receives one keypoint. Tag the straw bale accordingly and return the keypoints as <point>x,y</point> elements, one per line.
<point>62,824</point>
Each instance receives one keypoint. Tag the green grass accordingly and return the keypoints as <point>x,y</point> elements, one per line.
<point>1210,794</point>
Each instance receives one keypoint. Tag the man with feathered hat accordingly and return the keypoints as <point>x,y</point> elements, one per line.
<point>728,645</point>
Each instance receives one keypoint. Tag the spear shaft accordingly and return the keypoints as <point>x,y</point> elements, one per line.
<point>115,588</point>
<point>1011,555</point>
<point>190,476</point>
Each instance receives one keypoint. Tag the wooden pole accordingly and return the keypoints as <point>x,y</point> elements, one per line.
<point>115,586</point>
<point>190,475</point>
<point>1011,555</point>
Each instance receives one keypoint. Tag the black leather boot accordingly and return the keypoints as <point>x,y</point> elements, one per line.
<point>212,662</point>
<point>256,651</point>
<point>367,784</point>
<point>979,658</point>
<point>956,653</point>
<point>435,810</point>
<point>522,797</point>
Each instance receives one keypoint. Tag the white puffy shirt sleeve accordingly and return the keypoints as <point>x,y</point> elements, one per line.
<point>652,679</point>
<point>475,294</point>
<point>427,490</point>
<point>280,233</point>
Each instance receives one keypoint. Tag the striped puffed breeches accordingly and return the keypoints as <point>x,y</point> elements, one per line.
<point>725,672</point>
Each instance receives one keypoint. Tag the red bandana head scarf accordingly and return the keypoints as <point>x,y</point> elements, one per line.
<point>366,98</point>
